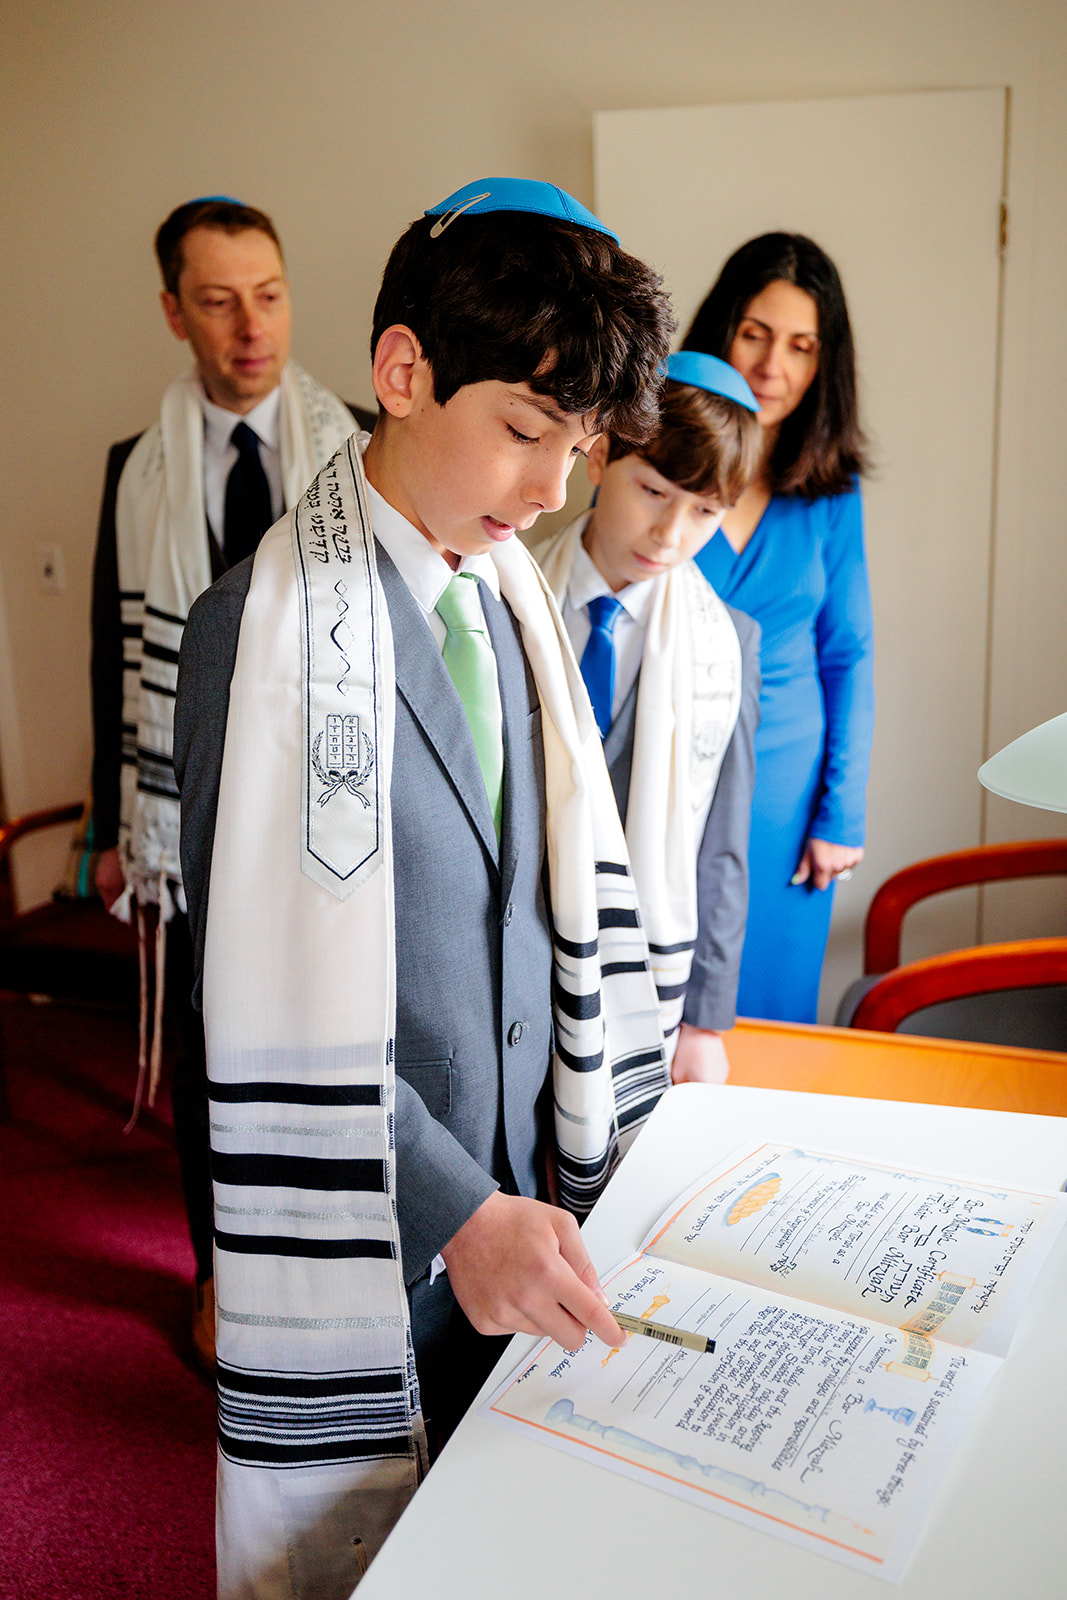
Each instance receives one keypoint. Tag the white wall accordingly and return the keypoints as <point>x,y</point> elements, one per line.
<point>344,119</point>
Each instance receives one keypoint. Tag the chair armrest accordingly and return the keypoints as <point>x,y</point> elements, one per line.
<point>980,969</point>
<point>34,821</point>
<point>1023,858</point>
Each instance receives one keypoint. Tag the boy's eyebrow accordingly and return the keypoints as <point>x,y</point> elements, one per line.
<point>543,404</point>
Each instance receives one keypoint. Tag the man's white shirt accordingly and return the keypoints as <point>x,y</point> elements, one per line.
<point>220,453</point>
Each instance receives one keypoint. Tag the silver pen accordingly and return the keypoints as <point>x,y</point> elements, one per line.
<point>659,1330</point>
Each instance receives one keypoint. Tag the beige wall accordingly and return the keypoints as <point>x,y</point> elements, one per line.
<point>344,119</point>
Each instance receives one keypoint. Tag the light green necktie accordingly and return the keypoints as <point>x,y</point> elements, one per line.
<point>468,655</point>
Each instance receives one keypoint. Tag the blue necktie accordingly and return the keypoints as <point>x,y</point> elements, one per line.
<point>598,658</point>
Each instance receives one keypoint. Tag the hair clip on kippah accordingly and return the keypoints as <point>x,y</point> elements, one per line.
<point>457,211</point>
<point>513,194</point>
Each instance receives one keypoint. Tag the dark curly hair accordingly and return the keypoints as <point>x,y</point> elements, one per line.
<point>524,298</point>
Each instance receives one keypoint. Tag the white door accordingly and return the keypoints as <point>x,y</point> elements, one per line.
<point>904,192</point>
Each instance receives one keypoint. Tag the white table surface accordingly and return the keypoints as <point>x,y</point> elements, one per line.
<point>503,1517</point>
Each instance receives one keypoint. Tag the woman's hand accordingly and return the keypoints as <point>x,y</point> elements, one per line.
<point>822,862</point>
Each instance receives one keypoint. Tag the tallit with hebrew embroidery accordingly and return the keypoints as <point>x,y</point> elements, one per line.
<point>321,1438</point>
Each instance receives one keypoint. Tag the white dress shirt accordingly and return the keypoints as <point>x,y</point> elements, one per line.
<point>426,573</point>
<point>220,453</point>
<point>631,625</point>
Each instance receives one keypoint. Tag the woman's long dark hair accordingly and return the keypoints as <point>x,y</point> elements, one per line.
<point>821,447</point>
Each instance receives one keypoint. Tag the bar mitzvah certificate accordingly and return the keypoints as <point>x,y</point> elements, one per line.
<point>857,1313</point>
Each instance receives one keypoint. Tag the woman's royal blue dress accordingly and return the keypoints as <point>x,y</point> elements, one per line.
<point>803,577</point>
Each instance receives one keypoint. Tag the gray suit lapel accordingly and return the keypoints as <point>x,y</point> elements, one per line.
<point>430,696</point>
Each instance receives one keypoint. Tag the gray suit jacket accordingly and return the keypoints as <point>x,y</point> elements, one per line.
<point>722,862</point>
<point>473,944</point>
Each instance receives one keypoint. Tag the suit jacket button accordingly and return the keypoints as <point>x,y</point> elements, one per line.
<point>515,1033</point>
<point>509,912</point>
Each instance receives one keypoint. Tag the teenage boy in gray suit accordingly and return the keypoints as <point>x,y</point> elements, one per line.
<point>509,332</point>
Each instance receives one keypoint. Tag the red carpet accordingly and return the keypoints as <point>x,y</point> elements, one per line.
<point>107,1452</point>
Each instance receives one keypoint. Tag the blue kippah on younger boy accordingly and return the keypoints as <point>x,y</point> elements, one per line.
<point>708,372</point>
<point>208,199</point>
<point>513,194</point>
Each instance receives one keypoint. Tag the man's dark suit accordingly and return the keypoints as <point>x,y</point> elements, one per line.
<point>722,861</point>
<point>473,944</point>
<point>188,1091</point>
<point>106,670</point>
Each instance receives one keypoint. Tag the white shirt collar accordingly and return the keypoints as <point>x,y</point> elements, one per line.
<point>426,573</point>
<point>264,420</point>
<point>586,583</point>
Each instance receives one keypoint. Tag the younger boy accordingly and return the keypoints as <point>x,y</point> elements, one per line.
<point>673,676</point>
<point>368,781</point>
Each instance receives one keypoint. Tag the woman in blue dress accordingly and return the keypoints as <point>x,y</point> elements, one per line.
<point>790,553</point>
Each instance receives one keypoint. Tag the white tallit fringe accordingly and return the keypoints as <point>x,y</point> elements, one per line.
<point>688,698</point>
<point>316,1374</point>
<point>149,1042</point>
<point>163,564</point>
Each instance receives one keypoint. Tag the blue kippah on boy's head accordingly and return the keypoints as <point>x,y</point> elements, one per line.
<point>708,372</point>
<point>207,199</point>
<point>513,194</point>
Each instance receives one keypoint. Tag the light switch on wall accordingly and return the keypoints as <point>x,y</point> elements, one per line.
<point>50,574</point>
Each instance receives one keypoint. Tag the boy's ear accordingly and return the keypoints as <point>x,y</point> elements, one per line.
<point>400,372</point>
<point>596,462</point>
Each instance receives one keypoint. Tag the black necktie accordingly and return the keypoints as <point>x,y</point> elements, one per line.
<point>248,512</point>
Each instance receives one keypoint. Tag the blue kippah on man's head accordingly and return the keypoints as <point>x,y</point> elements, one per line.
<point>207,199</point>
<point>708,372</point>
<point>513,194</point>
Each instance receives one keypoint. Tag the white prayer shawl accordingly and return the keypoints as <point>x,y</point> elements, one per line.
<point>688,698</point>
<point>321,1437</point>
<point>163,564</point>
